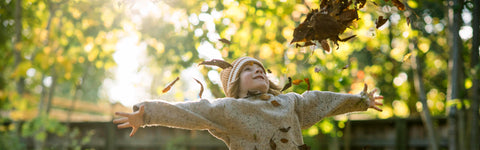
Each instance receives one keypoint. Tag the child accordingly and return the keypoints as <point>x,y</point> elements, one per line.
<point>254,115</point>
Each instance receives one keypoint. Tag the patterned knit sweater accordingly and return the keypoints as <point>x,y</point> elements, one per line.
<point>257,122</point>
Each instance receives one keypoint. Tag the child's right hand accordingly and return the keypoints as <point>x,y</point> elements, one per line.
<point>134,120</point>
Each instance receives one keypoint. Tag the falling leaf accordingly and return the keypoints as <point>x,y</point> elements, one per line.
<point>201,88</point>
<point>308,83</point>
<point>398,4</point>
<point>273,146</point>
<point>325,45</point>
<point>405,58</point>
<point>166,89</point>
<point>408,21</point>
<point>375,4</point>
<point>297,81</point>
<point>333,18</point>
<point>269,71</point>
<point>225,41</point>
<point>285,129</point>
<point>345,67</point>
<point>288,85</point>
<point>275,103</point>
<point>380,22</point>
<point>216,62</point>
<point>283,140</point>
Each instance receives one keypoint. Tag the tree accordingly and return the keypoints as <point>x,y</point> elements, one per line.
<point>474,145</point>
<point>456,76</point>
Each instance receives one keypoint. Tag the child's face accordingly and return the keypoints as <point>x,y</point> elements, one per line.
<point>253,79</point>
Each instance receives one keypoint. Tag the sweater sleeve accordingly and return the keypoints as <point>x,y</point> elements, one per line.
<point>312,106</point>
<point>198,115</point>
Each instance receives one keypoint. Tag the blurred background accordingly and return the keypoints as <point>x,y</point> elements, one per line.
<point>67,65</point>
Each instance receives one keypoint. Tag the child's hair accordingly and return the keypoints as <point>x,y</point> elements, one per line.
<point>231,72</point>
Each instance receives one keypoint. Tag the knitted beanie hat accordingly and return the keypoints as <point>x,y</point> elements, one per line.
<point>231,72</point>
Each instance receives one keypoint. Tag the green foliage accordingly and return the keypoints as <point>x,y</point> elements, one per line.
<point>10,141</point>
<point>34,127</point>
<point>78,140</point>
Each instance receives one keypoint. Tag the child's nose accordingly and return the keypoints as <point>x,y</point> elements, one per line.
<point>259,70</point>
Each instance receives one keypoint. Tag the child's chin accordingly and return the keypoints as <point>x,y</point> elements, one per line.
<point>262,88</point>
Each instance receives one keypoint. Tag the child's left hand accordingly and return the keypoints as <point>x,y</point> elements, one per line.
<point>372,99</point>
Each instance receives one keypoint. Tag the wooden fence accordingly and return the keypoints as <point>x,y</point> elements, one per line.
<point>398,134</point>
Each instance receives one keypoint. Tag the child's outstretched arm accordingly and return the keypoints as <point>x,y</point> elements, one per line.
<point>134,120</point>
<point>312,106</point>
<point>194,115</point>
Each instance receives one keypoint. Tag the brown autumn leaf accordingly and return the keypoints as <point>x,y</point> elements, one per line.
<point>325,45</point>
<point>308,83</point>
<point>269,71</point>
<point>273,145</point>
<point>380,21</point>
<point>166,89</point>
<point>216,62</point>
<point>275,103</point>
<point>201,88</point>
<point>288,85</point>
<point>328,23</point>
<point>297,81</point>
<point>225,41</point>
<point>283,140</point>
<point>398,4</point>
<point>408,21</point>
<point>345,67</point>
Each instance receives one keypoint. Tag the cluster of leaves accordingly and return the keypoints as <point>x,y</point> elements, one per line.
<point>329,21</point>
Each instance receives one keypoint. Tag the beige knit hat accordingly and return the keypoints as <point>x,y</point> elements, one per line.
<point>231,72</point>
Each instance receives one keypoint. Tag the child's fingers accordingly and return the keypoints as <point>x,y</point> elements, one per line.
<point>373,91</point>
<point>365,88</point>
<point>376,108</point>
<point>134,130</point>
<point>378,103</point>
<point>124,125</point>
<point>122,114</point>
<point>120,120</point>
<point>379,97</point>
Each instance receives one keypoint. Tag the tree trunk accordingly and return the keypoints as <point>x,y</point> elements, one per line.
<point>455,68</point>
<point>51,92</point>
<point>420,90</point>
<point>474,144</point>
<point>18,38</point>
<point>78,87</point>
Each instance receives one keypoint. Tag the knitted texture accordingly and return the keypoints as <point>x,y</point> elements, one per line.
<point>257,122</point>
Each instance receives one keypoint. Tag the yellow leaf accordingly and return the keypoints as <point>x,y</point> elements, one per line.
<point>406,57</point>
